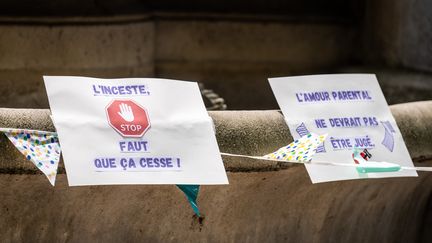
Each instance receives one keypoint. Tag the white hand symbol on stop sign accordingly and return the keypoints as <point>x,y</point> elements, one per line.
<point>128,118</point>
<point>126,112</point>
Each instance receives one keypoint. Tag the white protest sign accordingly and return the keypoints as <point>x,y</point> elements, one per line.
<point>134,131</point>
<point>352,109</point>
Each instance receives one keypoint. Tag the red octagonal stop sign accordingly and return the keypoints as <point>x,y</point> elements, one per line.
<point>128,118</point>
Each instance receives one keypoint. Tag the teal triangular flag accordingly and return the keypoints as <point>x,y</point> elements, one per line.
<point>191,192</point>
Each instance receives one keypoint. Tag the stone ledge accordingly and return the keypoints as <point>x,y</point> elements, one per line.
<point>240,132</point>
<point>275,206</point>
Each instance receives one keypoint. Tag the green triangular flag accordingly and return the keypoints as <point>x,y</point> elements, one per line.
<point>191,192</point>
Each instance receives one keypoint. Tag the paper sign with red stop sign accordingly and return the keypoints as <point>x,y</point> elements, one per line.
<point>128,118</point>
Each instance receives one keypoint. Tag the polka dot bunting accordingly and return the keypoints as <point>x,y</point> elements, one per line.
<point>40,147</point>
<point>301,150</point>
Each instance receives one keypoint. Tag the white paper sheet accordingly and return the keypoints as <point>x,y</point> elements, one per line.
<point>323,103</point>
<point>178,147</point>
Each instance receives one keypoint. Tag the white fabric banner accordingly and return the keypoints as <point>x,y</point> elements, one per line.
<point>134,131</point>
<point>352,110</point>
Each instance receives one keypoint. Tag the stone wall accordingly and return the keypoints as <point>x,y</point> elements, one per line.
<point>27,52</point>
<point>265,201</point>
<point>234,58</point>
<point>232,47</point>
<point>399,33</point>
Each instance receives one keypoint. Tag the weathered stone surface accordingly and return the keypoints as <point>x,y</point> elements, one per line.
<point>27,52</point>
<point>398,85</point>
<point>232,53</point>
<point>232,42</point>
<point>236,58</point>
<point>398,33</point>
<point>274,206</point>
<point>239,132</point>
<point>94,46</point>
<point>262,132</point>
<point>217,53</point>
<point>232,47</point>
<point>415,126</point>
<point>269,202</point>
<point>12,161</point>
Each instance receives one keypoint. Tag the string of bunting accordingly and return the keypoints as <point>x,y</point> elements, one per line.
<point>417,168</point>
<point>42,148</point>
<point>303,149</point>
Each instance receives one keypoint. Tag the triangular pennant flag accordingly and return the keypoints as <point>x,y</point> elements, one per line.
<point>361,158</point>
<point>301,149</point>
<point>191,192</point>
<point>40,147</point>
<point>303,131</point>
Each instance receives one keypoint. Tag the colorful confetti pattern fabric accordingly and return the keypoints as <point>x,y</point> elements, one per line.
<point>41,148</point>
<point>300,150</point>
<point>303,131</point>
